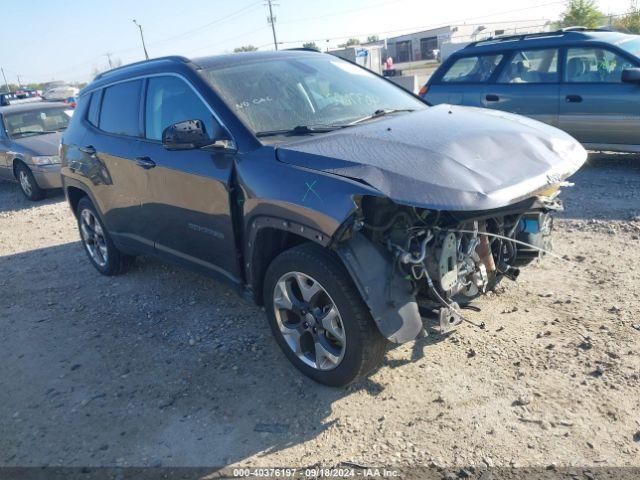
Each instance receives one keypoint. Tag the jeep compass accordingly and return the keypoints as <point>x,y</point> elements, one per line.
<point>346,206</point>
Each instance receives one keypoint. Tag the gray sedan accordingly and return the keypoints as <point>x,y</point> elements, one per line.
<point>29,139</point>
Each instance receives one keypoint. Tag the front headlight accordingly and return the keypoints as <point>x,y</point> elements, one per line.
<point>45,160</point>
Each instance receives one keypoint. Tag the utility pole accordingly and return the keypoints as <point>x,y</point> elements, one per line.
<point>272,20</point>
<point>108,55</point>
<point>5,79</point>
<point>144,47</point>
<point>19,82</point>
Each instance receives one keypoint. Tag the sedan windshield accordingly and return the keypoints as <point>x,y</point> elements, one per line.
<point>310,93</point>
<point>37,121</point>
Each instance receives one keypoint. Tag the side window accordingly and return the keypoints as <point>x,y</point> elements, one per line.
<point>120,112</point>
<point>171,100</point>
<point>93,115</point>
<point>472,69</point>
<point>531,66</point>
<point>594,65</point>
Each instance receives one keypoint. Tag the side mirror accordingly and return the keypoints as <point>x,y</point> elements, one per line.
<point>631,75</point>
<point>185,135</point>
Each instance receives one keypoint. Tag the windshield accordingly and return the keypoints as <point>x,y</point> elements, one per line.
<point>315,90</point>
<point>632,45</point>
<point>37,122</point>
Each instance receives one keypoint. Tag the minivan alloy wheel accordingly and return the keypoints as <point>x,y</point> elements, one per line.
<point>309,321</point>
<point>25,182</point>
<point>93,237</point>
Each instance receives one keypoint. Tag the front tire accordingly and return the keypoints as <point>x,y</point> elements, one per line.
<point>28,184</point>
<point>318,317</point>
<point>97,243</point>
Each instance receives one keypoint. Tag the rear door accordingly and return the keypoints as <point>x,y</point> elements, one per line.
<point>595,106</point>
<point>462,80</point>
<point>527,84</point>
<point>187,208</point>
<point>110,149</point>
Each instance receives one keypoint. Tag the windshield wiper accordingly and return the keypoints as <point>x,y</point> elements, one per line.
<point>380,113</point>
<point>34,132</point>
<point>300,130</point>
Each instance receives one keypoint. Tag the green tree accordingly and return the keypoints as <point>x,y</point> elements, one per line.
<point>372,38</point>
<point>245,48</point>
<point>581,13</point>
<point>311,45</point>
<point>350,42</point>
<point>630,22</point>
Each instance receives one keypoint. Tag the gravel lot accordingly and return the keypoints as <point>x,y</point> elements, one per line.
<point>164,367</point>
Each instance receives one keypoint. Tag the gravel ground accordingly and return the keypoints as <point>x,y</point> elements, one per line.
<point>162,367</point>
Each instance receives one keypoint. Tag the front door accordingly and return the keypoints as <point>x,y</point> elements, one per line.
<point>463,80</point>
<point>595,106</point>
<point>187,208</point>
<point>528,84</point>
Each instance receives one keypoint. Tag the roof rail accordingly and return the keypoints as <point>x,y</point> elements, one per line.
<point>303,49</point>
<point>177,58</point>
<point>524,36</point>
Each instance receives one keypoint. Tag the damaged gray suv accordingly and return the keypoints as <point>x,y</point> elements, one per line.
<point>344,205</point>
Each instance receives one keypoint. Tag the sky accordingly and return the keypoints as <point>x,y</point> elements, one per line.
<point>43,40</point>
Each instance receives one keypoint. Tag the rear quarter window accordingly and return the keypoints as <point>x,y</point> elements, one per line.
<point>471,69</point>
<point>93,115</point>
<point>120,112</point>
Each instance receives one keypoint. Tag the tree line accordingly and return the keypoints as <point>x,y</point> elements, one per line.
<point>585,13</point>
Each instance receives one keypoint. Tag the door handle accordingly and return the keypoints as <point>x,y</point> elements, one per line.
<point>145,162</point>
<point>492,98</point>
<point>89,149</point>
<point>573,98</point>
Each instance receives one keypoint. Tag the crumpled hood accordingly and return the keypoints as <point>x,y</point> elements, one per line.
<point>445,157</point>
<point>41,144</point>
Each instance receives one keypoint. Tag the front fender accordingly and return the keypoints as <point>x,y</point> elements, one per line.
<point>304,202</point>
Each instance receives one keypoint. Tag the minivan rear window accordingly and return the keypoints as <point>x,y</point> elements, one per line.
<point>120,113</point>
<point>472,69</point>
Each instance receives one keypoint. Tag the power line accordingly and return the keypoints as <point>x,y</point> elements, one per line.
<point>432,26</point>
<point>343,12</point>
<point>230,39</point>
<point>252,5</point>
<point>207,25</point>
<point>180,35</point>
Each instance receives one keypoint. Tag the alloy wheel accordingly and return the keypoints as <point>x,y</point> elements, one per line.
<point>25,183</point>
<point>309,321</point>
<point>93,238</point>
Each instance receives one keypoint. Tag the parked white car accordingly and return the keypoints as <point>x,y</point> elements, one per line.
<point>60,93</point>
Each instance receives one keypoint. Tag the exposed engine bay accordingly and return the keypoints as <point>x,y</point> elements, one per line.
<point>450,258</point>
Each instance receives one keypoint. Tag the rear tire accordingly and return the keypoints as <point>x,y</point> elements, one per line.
<point>28,184</point>
<point>97,243</point>
<point>350,342</point>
